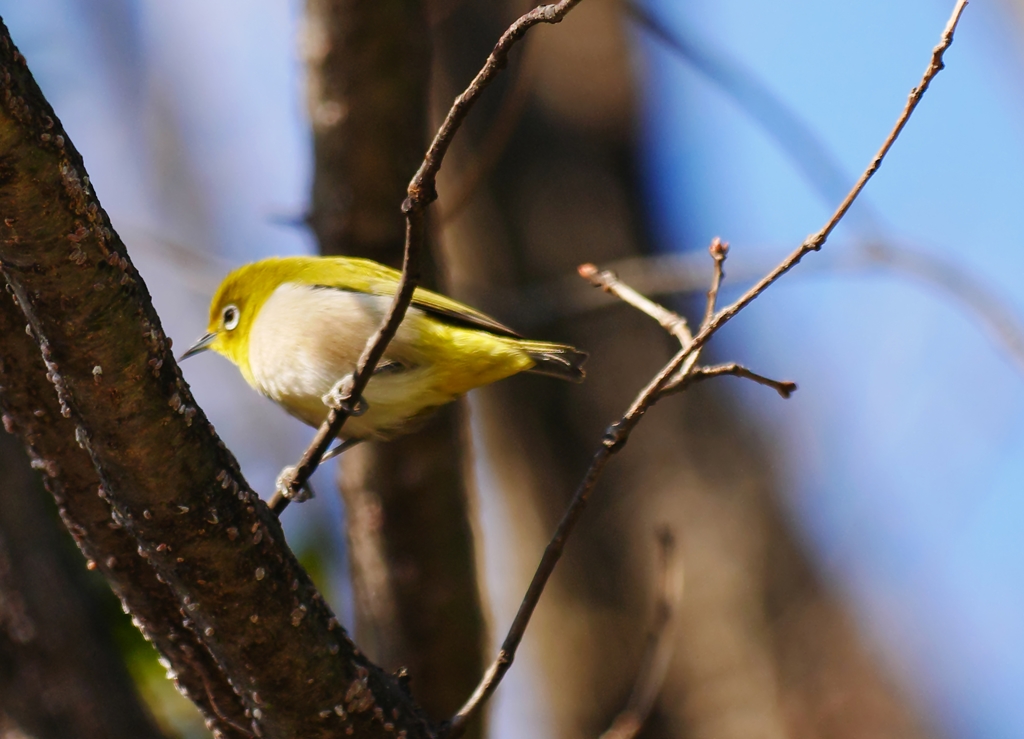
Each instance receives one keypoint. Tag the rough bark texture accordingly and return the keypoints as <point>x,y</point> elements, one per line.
<point>564,193</point>
<point>32,411</point>
<point>169,480</point>
<point>410,545</point>
<point>60,673</point>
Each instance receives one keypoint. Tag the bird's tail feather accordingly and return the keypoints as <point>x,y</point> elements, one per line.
<point>556,360</point>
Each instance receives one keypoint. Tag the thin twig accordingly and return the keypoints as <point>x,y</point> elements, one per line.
<point>683,274</point>
<point>421,193</point>
<point>676,325</point>
<point>608,281</point>
<point>421,189</point>
<point>815,241</point>
<point>671,321</point>
<point>660,643</point>
<point>719,250</point>
<point>489,153</point>
<point>619,432</point>
<point>784,388</point>
<point>820,168</point>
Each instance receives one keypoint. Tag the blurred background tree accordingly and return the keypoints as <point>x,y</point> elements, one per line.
<point>856,539</point>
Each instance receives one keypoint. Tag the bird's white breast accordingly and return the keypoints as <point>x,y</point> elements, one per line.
<point>304,339</point>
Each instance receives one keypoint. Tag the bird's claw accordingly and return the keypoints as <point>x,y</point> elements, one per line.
<point>339,398</point>
<point>284,486</point>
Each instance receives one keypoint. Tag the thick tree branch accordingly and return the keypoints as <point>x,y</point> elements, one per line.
<point>171,483</point>
<point>619,432</point>
<point>31,410</point>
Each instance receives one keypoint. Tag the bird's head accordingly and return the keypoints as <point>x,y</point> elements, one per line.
<point>234,308</point>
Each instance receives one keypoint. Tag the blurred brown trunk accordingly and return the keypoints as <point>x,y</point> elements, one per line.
<point>757,629</point>
<point>60,673</point>
<point>410,545</point>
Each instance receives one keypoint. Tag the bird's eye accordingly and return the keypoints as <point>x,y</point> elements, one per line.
<point>230,317</point>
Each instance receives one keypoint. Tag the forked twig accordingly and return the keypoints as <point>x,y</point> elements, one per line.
<point>618,433</point>
<point>820,167</point>
<point>671,321</point>
<point>676,324</point>
<point>421,193</point>
<point>683,274</point>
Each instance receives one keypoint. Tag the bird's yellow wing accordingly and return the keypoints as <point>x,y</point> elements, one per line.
<point>365,275</point>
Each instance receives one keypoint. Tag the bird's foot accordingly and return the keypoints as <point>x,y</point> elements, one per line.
<point>340,398</point>
<point>284,486</point>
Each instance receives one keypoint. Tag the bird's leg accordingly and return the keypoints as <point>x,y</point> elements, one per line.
<point>338,398</point>
<point>340,449</point>
<point>281,496</point>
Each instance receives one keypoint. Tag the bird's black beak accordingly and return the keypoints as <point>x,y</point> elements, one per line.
<point>200,346</point>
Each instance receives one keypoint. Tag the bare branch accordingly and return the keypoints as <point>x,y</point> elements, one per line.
<point>669,320</point>
<point>784,388</point>
<point>488,154</point>
<point>422,192</point>
<point>719,250</point>
<point>618,433</point>
<point>683,274</point>
<point>34,414</point>
<point>672,322</point>
<point>660,642</point>
<point>817,240</point>
<point>821,169</point>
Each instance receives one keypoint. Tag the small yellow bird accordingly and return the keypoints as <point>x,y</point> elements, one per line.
<point>295,326</point>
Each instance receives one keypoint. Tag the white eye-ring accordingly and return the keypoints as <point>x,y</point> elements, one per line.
<point>230,316</point>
